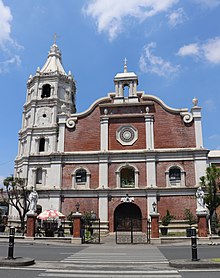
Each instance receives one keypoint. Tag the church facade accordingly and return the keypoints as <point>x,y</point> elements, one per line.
<point>118,158</point>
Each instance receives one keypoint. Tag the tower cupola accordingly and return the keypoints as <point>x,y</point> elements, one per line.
<point>54,62</point>
<point>126,79</point>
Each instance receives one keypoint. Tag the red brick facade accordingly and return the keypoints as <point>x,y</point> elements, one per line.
<point>170,131</point>
<point>173,144</point>
<point>86,135</point>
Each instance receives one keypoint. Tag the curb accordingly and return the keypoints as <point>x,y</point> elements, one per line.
<point>189,264</point>
<point>18,261</point>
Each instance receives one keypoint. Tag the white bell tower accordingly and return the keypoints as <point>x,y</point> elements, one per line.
<point>50,92</point>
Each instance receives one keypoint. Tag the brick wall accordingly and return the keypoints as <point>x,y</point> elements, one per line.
<point>69,169</point>
<point>170,131</point>
<point>86,205</point>
<point>176,205</point>
<point>86,135</point>
<point>188,167</point>
<point>137,123</point>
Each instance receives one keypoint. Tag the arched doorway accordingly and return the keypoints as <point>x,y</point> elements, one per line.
<point>127,214</point>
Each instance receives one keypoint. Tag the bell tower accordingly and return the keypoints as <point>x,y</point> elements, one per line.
<point>50,92</point>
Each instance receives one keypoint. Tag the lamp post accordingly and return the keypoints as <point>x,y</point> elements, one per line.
<point>77,206</point>
<point>154,206</point>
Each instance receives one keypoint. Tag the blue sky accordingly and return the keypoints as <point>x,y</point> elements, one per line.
<point>173,46</point>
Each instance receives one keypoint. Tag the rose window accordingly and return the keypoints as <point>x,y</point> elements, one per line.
<point>126,135</point>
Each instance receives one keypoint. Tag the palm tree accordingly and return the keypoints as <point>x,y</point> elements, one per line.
<point>211,182</point>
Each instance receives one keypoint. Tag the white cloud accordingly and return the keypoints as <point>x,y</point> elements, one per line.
<point>214,137</point>
<point>208,3</point>
<point>176,17</point>
<point>211,50</point>
<point>189,50</point>
<point>208,51</point>
<point>150,63</point>
<point>5,23</point>
<point>109,15</point>
<point>209,105</point>
<point>8,45</point>
<point>4,66</point>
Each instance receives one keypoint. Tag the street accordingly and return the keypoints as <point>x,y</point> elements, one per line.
<point>184,252</point>
<point>105,260</point>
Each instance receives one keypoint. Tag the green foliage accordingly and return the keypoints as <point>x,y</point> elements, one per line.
<point>211,183</point>
<point>165,221</point>
<point>17,196</point>
<point>189,216</point>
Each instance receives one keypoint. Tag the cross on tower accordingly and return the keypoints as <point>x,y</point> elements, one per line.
<point>55,36</point>
<point>125,65</point>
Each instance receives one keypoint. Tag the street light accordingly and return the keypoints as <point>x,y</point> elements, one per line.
<point>154,205</point>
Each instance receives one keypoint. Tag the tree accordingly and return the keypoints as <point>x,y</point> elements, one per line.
<point>211,182</point>
<point>17,196</point>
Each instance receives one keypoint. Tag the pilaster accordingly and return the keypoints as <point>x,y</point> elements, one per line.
<point>61,121</point>
<point>196,112</point>
<point>151,171</point>
<point>149,126</point>
<point>103,172</point>
<point>104,133</point>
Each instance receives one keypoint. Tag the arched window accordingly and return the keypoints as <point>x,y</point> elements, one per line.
<point>39,174</point>
<point>42,145</point>
<point>46,91</point>
<point>175,176</point>
<point>126,90</point>
<point>127,177</point>
<point>81,176</point>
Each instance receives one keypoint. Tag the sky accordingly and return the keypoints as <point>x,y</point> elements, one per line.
<point>172,45</point>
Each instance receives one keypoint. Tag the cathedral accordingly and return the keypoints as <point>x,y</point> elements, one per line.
<point>125,156</point>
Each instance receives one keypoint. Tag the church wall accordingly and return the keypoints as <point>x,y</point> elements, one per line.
<point>86,205</point>
<point>187,166</point>
<point>138,123</point>
<point>86,134</point>
<point>176,205</point>
<point>170,131</point>
<point>69,169</point>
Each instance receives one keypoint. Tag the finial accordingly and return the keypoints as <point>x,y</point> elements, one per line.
<point>55,36</point>
<point>195,101</point>
<point>125,65</point>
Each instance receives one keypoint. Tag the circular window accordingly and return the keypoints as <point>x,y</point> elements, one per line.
<point>126,135</point>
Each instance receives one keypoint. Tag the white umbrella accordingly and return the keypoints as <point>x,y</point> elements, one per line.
<point>50,214</point>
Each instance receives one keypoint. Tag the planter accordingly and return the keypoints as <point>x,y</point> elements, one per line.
<point>164,231</point>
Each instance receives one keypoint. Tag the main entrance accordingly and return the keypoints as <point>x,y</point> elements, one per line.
<point>129,226</point>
